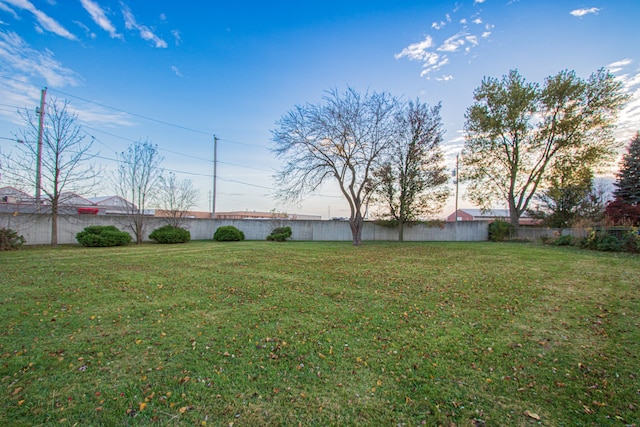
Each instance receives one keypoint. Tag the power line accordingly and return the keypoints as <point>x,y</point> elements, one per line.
<point>142,116</point>
<point>242,143</point>
<point>246,167</point>
<point>246,183</point>
<point>156,121</point>
<point>135,114</point>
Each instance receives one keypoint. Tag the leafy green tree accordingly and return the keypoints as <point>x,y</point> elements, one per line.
<point>567,190</point>
<point>516,131</point>
<point>412,181</point>
<point>342,139</point>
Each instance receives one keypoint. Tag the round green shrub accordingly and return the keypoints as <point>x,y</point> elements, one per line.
<point>631,243</point>
<point>280,234</point>
<point>103,236</point>
<point>500,231</point>
<point>10,239</point>
<point>228,233</point>
<point>170,234</point>
<point>566,240</point>
<point>609,242</point>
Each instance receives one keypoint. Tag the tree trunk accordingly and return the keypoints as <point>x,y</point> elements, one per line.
<point>139,231</point>
<point>356,224</point>
<point>514,217</point>
<point>400,230</point>
<point>54,224</point>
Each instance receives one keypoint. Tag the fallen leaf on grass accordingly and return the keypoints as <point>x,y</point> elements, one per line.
<point>532,415</point>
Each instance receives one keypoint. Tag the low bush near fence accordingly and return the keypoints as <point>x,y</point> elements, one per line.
<point>228,233</point>
<point>170,234</point>
<point>500,231</point>
<point>602,240</point>
<point>280,234</point>
<point>103,236</point>
<point>10,239</point>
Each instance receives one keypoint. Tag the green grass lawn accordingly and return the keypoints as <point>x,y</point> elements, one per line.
<point>260,333</point>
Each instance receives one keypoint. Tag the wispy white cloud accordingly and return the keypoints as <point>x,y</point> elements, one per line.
<point>21,64</point>
<point>176,71</point>
<point>416,51</point>
<point>6,8</point>
<point>86,29</point>
<point>445,78</point>
<point>617,66</point>
<point>438,25</point>
<point>176,35</point>
<point>145,32</point>
<point>99,16</point>
<point>585,11</point>
<point>93,115</point>
<point>18,58</point>
<point>435,56</point>
<point>46,22</point>
<point>629,118</point>
<point>433,63</point>
<point>453,43</point>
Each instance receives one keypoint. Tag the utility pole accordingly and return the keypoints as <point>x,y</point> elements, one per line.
<point>457,181</point>
<point>40,111</point>
<point>215,166</point>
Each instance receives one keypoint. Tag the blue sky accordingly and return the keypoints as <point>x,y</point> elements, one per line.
<point>177,73</point>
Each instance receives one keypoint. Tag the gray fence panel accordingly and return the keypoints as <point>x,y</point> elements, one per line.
<point>36,229</point>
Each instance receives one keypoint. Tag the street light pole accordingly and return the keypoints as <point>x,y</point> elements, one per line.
<point>40,111</point>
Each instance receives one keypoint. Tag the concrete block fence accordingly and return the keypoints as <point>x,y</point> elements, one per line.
<point>36,229</point>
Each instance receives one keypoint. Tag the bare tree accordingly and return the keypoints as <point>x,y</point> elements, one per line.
<point>138,181</point>
<point>176,198</point>
<point>58,169</point>
<point>412,182</point>
<point>342,139</point>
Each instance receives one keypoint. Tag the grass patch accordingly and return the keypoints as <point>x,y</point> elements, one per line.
<point>254,333</point>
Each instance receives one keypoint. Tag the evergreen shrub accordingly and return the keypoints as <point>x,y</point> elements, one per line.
<point>500,231</point>
<point>228,233</point>
<point>631,242</point>
<point>566,240</point>
<point>10,239</point>
<point>103,236</point>
<point>280,234</point>
<point>170,234</point>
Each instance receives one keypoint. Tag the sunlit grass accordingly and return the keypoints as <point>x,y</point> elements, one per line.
<point>259,333</point>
